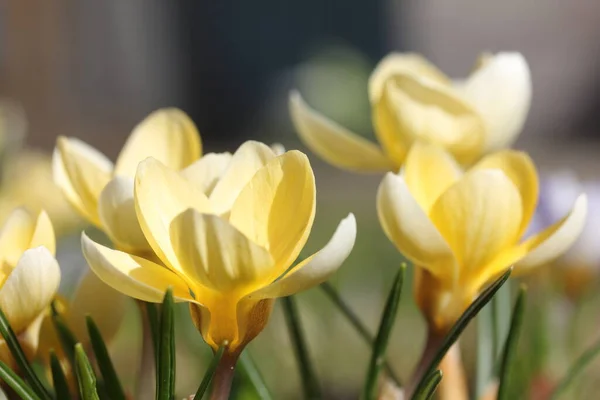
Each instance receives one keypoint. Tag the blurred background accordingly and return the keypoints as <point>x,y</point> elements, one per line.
<point>94,69</point>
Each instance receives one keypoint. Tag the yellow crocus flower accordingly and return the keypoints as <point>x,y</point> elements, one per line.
<point>463,229</point>
<point>225,245</point>
<point>413,101</point>
<point>29,276</point>
<point>103,193</point>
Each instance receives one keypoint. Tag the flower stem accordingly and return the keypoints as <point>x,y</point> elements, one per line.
<point>434,340</point>
<point>223,377</point>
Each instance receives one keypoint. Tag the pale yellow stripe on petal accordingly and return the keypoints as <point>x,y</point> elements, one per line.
<point>334,143</point>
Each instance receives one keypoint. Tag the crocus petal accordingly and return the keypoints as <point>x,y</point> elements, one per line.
<point>43,234</point>
<point>276,208</point>
<point>479,216</point>
<point>556,239</point>
<point>521,170</point>
<point>249,158</point>
<point>334,143</point>
<point>134,276</point>
<point>426,110</point>
<point>500,90</point>
<point>317,268</point>
<point>160,195</point>
<point>30,287</point>
<point>214,252</point>
<point>387,129</point>
<point>206,172</point>
<point>81,172</point>
<point>167,135</point>
<point>408,227</point>
<point>428,172</point>
<point>116,209</point>
<point>402,63</point>
<point>15,236</point>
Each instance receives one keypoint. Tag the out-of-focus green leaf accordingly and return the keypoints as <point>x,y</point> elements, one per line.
<point>66,337</point>
<point>15,383</point>
<point>510,348</point>
<point>208,375</point>
<point>251,374</point>
<point>381,341</point>
<point>86,378</point>
<point>576,369</point>
<point>59,381</point>
<point>22,363</point>
<point>165,380</point>
<point>431,384</point>
<point>111,380</point>
<point>152,315</point>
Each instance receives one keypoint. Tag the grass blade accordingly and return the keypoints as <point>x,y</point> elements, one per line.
<point>17,384</point>
<point>431,384</point>
<point>166,350</point>
<point>458,328</point>
<point>21,360</point>
<point>310,384</point>
<point>576,369</point>
<point>59,380</point>
<point>208,375</point>
<point>111,381</point>
<point>510,346</point>
<point>251,374</point>
<point>65,336</point>
<point>85,375</point>
<point>356,323</point>
<point>381,341</point>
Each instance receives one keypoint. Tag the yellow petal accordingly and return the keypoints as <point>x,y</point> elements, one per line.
<point>402,63</point>
<point>160,195</point>
<point>276,208</point>
<point>428,172</point>
<point>395,143</point>
<point>501,92</point>
<point>249,158</point>
<point>82,172</point>
<point>422,109</point>
<point>206,172</point>
<point>30,287</point>
<point>408,227</point>
<point>214,253</point>
<point>521,170</point>
<point>116,209</point>
<point>43,233</point>
<point>334,143</point>
<point>167,135</point>
<point>479,216</point>
<point>103,303</point>
<point>134,276</point>
<point>15,237</point>
<point>317,268</point>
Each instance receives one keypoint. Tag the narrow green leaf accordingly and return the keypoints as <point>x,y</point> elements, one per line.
<point>431,384</point>
<point>251,374</point>
<point>152,315</point>
<point>111,380</point>
<point>85,375</point>
<point>310,384</point>
<point>166,350</point>
<point>17,384</point>
<point>355,321</point>
<point>59,381</point>
<point>208,375</point>
<point>381,341</point>
<point>459,327</point>
<point>485,350</point>
<point>576,369</point>
<point>21,360</point>
<point>66,337</point>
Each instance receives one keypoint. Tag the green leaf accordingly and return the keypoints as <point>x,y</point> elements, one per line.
<point>251,374</point>
<point>152,315</point>
<point>355,321</point>
<point>11,379</point>
<point>59,381</point>
<point>165,381</point>
<point>208,375</point>
<point>111,380</point>
<point>85,375</point>
<point>310,384</point>
<point>381,341</point>
<point>576,369</point>
<point>21,360</point>
<point>431,384</point>
<point>458,328</point>
<point>65,336</point>
<point>485,350</point>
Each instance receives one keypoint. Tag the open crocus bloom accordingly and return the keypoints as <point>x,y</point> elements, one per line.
<point>413,101</point>
<point>226,245</point>
<point>103,193</point>
<point>29,277</point>
<point>461,230</point>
